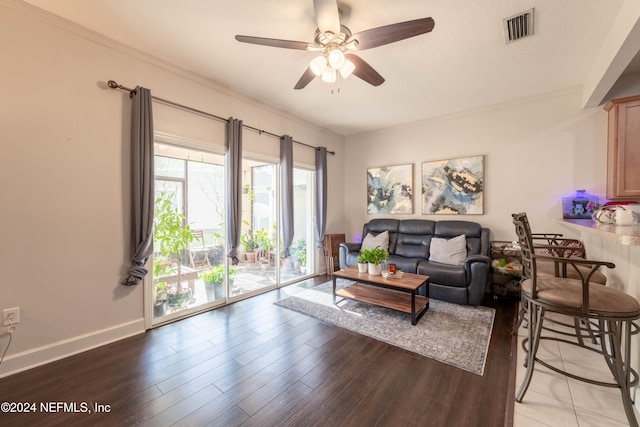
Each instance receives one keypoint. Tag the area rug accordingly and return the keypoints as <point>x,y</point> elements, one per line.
<point>457,335</point>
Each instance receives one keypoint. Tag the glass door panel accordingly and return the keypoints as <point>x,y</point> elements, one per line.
<point>256,270</point>
<point>301,263</point>
<point>189,260</point>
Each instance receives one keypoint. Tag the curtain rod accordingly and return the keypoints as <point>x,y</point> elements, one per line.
<point>114,85</point>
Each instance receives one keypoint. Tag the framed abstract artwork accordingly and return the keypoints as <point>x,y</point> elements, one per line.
<point>390,190</point>
<point>453,186</point>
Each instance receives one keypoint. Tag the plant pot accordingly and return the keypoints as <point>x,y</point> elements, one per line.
<point>251,257</point>
<point>178,297</point>
<point>215,290</point>
<point>375,269</point>
<point>159,308</point>
<point>219,290</point>
<point>363,267</point>
<point>209,289</point>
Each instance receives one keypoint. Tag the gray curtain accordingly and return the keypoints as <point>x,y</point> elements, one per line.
<point>234,187</point>
<point>286,188</point>
<point>321,194</point>
<point>142,186</point>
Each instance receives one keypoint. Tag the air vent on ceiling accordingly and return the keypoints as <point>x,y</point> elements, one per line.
<point>518,26</point>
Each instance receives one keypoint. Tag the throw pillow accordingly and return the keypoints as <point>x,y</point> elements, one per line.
<point>371,241</point>
<point>452,251</point>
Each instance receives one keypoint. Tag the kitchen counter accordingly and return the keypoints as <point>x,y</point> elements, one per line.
<point>622,234</point>
<point>620,245</point>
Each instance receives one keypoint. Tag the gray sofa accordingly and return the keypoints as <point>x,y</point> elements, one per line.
<point>409,249</point>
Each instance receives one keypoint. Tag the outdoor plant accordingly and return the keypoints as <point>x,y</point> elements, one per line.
<point>213,279</point>
<point>248,242</point>
<point>216,274</point>
<point>170,230</point>
<point>160,291</point>
<point>299,251</point>
<point>262,241</point>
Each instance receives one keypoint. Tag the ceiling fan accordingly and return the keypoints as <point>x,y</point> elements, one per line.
<point>335,45</point>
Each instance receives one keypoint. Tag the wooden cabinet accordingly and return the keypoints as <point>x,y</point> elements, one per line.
<point>332,251</point>
<point>623,149</point>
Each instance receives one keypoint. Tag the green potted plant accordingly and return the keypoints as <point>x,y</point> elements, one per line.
<point>160,298</point>
<point>249,243</point>
<point>173,236</point>
<point>262,241</point>
<point>213,279</point>
<point>299,253</point>
<point>363,264</point>
<point>375,257</point>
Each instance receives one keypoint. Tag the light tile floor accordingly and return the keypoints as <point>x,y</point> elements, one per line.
<point>556,400</point>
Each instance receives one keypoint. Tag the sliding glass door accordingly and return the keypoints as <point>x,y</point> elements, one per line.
<point>189,261</point>
<point>301,261</point>
<point>190,269</point>
<point>258,243</point>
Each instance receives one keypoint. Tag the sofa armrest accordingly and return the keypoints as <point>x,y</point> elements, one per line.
<point>475,258</point>
<point>345,248</point>
<point>478,271</point>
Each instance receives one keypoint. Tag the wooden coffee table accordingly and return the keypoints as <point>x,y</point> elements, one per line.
<point>396,293</point>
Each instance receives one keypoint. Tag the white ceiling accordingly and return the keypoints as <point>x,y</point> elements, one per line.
<point>464,64</point>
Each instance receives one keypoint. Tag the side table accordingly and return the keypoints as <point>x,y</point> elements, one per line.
<point>506,270</point>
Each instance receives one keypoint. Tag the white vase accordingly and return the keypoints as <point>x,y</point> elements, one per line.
<point>375,269</point>
<point>362,267</point>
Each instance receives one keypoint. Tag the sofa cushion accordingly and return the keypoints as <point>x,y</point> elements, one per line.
<point>409,265</point>
<point>452,251</point>
<point>371,241</point>
<point>445,274</point>
<point>413,245</point>
<point>471,230</point>
<point>379,225</point>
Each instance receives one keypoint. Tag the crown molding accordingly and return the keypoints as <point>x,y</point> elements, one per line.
<point>85,33</point>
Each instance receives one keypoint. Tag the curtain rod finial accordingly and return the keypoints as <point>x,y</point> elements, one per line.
<point>112,84</point>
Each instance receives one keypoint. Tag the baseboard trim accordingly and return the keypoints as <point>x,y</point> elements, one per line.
<point>59,350</point>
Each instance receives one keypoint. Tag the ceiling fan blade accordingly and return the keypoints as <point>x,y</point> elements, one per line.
<point>287,44</point>
<point>365,71</point>
<point>386,34</point>
<point>305,79</point>
<point>327,15</point>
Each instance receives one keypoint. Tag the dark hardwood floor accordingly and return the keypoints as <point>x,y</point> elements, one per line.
<point>253,363</point>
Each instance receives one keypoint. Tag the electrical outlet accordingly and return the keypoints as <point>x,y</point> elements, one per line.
<point>10,316</point>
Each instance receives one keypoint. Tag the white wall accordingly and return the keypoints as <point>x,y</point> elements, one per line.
<point>64,168</point>
<point>536,151</point>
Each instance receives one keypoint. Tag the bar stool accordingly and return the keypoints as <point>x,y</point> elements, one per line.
<point>606,313</point>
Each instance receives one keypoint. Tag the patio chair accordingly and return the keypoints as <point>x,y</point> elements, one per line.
<point>194,249</point>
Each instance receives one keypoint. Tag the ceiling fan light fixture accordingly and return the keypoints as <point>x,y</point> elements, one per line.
<point>352,45</point>
<point>329,75</point>
<point>336,59</point>
<point>347,68</point>
<point>318,65</point>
